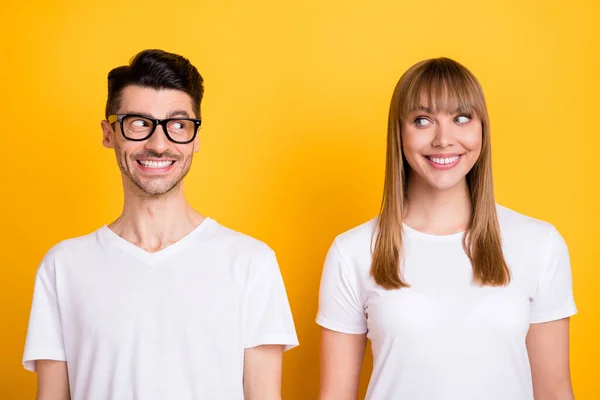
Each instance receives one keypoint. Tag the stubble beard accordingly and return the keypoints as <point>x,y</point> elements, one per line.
<point>152,187</point>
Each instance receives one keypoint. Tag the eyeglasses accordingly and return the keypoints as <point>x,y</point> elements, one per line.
<point>140,127</point>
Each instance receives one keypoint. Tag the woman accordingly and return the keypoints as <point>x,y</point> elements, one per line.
<point>461,298</point>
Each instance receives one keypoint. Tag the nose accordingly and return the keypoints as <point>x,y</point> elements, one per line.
<point>158,142</point>
<point>443,135</point>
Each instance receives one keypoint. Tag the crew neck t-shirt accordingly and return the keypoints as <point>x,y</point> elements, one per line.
<point>166,325</point>
<point>444,337</point>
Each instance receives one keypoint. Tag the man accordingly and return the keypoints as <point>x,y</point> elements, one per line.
<point>163,303</point>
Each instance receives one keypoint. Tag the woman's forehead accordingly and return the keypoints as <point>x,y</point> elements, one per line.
<point>435,103</point>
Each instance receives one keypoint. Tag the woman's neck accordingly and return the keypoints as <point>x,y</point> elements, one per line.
<point>437,212</point>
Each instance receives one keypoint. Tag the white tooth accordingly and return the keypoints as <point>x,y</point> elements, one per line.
<point>444,161</point>
<point>155,164</point>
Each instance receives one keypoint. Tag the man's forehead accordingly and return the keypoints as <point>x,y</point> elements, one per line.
<point>155,100</point>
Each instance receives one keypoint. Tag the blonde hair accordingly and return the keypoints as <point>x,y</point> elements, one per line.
<point>447,86</point>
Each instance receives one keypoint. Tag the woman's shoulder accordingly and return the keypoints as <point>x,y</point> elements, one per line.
<point>354,248</point>
<point>359,238</point>
<point>519,228</point>
<point>511,219</point>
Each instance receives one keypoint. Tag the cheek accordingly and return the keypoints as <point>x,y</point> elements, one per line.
<point>473,141</point>
<point>184,150</point>
<point>413,145</point>
<point>125,149</point>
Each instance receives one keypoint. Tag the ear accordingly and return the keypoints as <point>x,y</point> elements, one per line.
<point>108,135</point>
<point>196,142</point>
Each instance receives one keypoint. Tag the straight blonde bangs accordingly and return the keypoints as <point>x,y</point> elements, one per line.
<point>441,86</point>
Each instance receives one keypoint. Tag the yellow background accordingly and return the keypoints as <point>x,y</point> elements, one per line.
<point>293,137</point>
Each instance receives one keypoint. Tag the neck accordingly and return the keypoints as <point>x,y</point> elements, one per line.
<point>437,212</point>
<point>155,222</point>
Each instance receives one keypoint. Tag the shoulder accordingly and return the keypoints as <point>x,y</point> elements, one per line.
<point>525,237</point>
<point>358,239</point>
<point>232,241</point>
<point>248,259</point>
<point>352,250</point>
<point>68,250</point>
<point>517,226</point>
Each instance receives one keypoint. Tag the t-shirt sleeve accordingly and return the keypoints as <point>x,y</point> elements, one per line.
<point>554,298</point>
<point>44,335</point>
<point>340,308</point>
<point>269,318</point>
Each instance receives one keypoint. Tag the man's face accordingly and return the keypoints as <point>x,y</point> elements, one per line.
<point>155,165</point>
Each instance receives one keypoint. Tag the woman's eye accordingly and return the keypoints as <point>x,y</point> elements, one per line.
<point>421,121</point>
<point>462,119</point>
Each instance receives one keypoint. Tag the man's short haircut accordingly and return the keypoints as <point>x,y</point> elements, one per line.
<point>155,69</point>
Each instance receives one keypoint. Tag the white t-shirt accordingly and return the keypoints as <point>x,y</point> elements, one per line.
<point>445,338</point>
<point>167,325</point>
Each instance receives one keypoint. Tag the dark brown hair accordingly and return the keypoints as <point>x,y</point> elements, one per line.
<point>159,70</point>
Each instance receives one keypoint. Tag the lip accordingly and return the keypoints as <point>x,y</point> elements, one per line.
<point>154,171</point>
<point>444,167</point>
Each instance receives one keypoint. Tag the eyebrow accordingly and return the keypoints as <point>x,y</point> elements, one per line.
<point>430,111</point>
<point>170,114</point>
<point>180,113</point>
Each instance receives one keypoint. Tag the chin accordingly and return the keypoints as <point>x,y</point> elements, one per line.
<point>442,188</point>
<point>157,191</point>
<point>443,180</point>
<point>443,185</point>
<point>160,189</point>
<point>154,187</point>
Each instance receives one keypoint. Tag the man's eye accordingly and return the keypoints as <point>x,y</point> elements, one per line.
<point>139,123</point>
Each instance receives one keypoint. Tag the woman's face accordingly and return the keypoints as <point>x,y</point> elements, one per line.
<point>440,147</point>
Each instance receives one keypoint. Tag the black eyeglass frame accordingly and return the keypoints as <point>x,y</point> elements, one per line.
<point>155,122</point>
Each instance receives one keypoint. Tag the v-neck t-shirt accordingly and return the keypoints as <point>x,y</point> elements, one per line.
<point>444,337</point>
<point>172,324</point>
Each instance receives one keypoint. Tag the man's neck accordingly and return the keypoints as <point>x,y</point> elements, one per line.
<point>438,212</point>
<point>155,222</point>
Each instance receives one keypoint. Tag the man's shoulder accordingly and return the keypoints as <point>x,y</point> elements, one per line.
<point>76,248</point>
<point>73,244</point>
<point>236,241</point>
